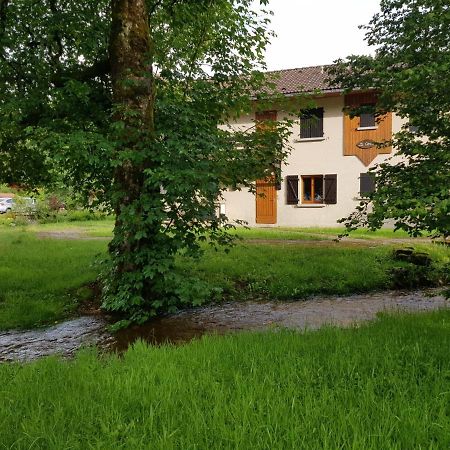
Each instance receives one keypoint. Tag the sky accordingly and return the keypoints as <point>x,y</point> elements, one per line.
<point>316,32</point>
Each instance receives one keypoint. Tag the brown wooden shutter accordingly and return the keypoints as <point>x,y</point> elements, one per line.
<point>266,115</point>
<point>292,190</point>
<point>366,183</point>
<point>318,123</point>
<point>330,182</point>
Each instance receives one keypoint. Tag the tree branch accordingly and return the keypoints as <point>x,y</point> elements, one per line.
<point>98,69</point>
<point>3,10</point>
<point>56,36</point>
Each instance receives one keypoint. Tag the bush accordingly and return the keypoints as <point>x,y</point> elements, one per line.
<point>7,219</point>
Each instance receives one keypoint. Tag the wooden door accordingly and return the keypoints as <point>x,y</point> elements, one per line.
<point>266,201</point>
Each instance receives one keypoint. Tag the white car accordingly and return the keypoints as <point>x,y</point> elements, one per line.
<point>21,205</point>
<point>6,204</point>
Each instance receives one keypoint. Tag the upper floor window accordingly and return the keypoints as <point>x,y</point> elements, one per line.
<point>311,123</point>
<point>367,119</point>
<point>366,184</point>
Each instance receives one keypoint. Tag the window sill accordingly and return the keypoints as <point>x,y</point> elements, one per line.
<point>366,128</point>
<point>312,205</point>
<point>313,139</point>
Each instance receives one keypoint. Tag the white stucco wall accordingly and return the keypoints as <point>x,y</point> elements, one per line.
<point>311,158</point>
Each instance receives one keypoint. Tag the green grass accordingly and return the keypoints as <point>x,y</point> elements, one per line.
<point>91,228</point>
<point>315,233</point>
<point>275,233</point>
<point>384,233</point>
<point>38,276</point>
<point>385,385</point>
<point>289,272</point>
<point>103,228</point>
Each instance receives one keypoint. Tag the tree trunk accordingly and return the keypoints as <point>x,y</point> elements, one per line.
<point>131,62</point>
<point>133,97</point>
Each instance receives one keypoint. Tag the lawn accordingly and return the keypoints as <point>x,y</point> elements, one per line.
<point>380,386</point>
<point>103,228</point>
<point>384,233</point>
<point>41,277</point>
<point>91,228</point>
<point>291,272</point>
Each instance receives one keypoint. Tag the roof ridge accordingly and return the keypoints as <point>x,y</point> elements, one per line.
<point>300,68</point>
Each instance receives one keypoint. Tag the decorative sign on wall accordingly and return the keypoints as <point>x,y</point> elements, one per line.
<point>366,144</point>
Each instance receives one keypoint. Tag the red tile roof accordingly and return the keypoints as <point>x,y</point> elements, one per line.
<point>303,79</point>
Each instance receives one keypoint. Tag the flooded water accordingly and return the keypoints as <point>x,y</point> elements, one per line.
<point>64,339</point>
<point>67,337</point>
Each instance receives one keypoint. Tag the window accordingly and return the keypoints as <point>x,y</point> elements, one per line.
<point>312,191</point>
<point>311,123</point>
<point>367,119</point>
<point>366,184</point>
<point>414,129</point>
<point>315,189</point>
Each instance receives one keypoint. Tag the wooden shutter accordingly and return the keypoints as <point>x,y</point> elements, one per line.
<point>366,183</point>
<point>265,115</point>
<point>292,190</point>
<point>354,136</point>
<point>330,182</point>
<point>311,123</point>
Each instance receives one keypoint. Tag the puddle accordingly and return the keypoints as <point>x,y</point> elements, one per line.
<point>67,337</point>
<point>64,339</point>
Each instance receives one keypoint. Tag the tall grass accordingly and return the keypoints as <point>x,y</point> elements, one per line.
<point>381,386</point>
<point>38,277</point>
<point>289,272</point>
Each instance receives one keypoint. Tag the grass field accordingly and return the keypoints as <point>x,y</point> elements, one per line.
<point>290,272</point>
<point>317,233</point>
<point>381,385</point>
<point>91,228</point>
<point>385,385</point>
<point>40,277</point>
<point>104,228</point>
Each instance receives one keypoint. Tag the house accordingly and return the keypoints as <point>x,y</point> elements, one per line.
<point>326,174</point>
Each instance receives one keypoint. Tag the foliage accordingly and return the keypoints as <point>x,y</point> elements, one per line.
<point>381,385</point>
<point>410,71</point>
<point>139,124</point>
<point>4,188</point>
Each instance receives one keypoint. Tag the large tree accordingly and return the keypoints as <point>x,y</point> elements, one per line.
<point>129,101</point>
<point>410,70</point>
